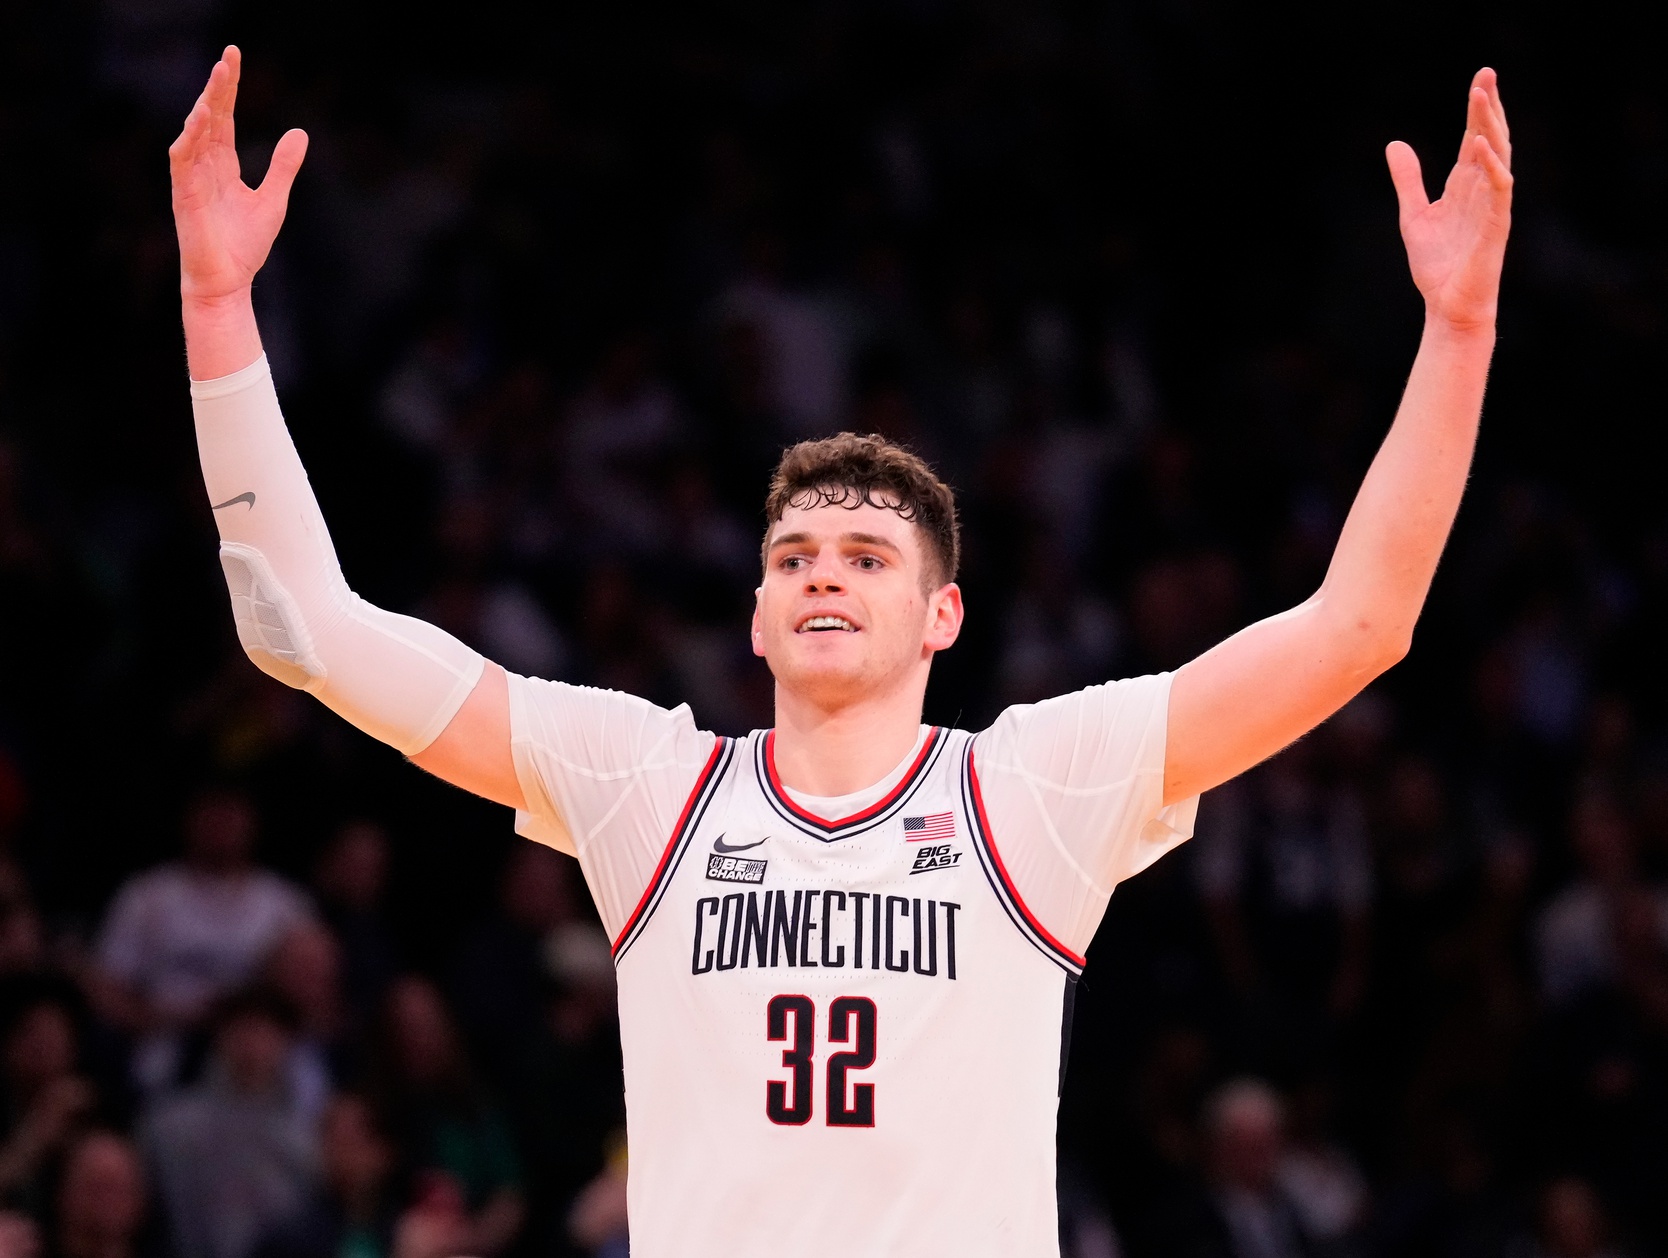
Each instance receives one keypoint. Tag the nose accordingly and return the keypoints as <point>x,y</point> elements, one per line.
<point>823,576</point>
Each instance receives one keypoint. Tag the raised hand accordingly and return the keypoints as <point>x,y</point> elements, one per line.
<point>1455,244</point>
<point>226,228</point>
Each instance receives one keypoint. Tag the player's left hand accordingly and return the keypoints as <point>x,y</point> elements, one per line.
<point>1455,244</point>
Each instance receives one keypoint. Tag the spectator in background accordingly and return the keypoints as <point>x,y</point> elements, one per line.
<point>1242,1211</point>
<point>101,1209</point>
<point>1571,1223</point>
<point>620,430</point>
<point>804,340</point>
<point>352,1212</point>
<point>179,937</point>
<point>445,1123</point>
<point>573,1100</point>
<point>1285,872</point>
<point>437,1223</point>
<point>1602,946</point>
<point>45,1099</point>
<point>1317,1174</point>
<point>1579,935</point>
<point>501,981</point>
<point>234,1156</point>
<point>1423,903</point>
<point>351,880</point>
<point>597,1220</point>
<point>305,972</point>
<point>22,946</point>
<point>19,1237</point>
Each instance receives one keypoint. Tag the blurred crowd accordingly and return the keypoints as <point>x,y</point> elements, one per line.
<point>557,286</point>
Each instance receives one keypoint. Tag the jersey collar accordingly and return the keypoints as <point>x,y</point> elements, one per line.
<point>858,822</point>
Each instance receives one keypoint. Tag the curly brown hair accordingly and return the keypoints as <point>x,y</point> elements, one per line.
<point>851,470</point>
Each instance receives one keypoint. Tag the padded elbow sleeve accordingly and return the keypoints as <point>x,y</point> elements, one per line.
<point>398,679</point>
<point>270,627</point>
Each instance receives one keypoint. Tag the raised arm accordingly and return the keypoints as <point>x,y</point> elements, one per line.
<point>400,680</point>
<point>1269,684</point>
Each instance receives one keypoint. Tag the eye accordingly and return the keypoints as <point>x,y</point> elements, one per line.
<point>792,563</point>
<point>868,563</point>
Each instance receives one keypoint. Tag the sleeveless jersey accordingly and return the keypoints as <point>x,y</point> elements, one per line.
<point>841,1035</point>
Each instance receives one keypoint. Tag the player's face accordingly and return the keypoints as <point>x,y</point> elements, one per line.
<point>844,610</point>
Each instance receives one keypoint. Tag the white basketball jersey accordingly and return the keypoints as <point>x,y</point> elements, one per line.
<point>841,1035</point>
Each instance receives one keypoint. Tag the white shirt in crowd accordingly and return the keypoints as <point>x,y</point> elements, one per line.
<point>181,938</point>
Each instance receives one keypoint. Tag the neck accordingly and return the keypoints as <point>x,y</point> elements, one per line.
<point>824,750</point>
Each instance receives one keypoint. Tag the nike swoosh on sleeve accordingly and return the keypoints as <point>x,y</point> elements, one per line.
<point>248,497</point>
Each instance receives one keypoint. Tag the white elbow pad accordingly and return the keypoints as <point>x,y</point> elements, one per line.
<point>270,626</point>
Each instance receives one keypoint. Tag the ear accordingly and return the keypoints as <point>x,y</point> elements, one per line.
<point>944,617</point>
<point>757,629</point>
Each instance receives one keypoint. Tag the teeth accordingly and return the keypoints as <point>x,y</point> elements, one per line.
<point>827,622</point>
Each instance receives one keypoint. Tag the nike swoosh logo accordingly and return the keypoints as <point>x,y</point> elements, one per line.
<point>724,849</point>
<point>232,502</point>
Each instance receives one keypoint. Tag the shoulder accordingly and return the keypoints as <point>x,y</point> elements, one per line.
<point>1115,715</point>
<point>589,758</point>
<point>553,711</point>
<point>148,888</point>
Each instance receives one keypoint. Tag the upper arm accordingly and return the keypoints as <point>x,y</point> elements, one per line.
<point>473,751</point>
<point>1265,687</point>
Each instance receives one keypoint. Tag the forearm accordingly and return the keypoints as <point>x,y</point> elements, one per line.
<point>398,679</point>
<point>1387,554</point>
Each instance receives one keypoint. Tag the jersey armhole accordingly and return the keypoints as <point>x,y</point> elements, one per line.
<point>694,808</point>
<point>990,857</point>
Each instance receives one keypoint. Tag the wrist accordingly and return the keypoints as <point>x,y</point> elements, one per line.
<point>212,305</point>
<point>1446,326</point>
<point>221,336</point>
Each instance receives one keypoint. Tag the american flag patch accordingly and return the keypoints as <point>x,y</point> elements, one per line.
<point>931,828</point>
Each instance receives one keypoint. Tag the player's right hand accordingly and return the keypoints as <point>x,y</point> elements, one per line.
<point>226,228</point>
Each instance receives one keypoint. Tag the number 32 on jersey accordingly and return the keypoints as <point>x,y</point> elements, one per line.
<point>851,1020</point>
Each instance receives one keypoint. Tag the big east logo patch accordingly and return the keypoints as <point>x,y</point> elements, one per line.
<point>938,856</point>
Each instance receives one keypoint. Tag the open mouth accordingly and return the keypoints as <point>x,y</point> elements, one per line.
<point>827,624</point>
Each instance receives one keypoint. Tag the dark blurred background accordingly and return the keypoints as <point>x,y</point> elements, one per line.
<point>557,285</point>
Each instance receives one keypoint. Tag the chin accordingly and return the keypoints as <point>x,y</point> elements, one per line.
<point>824,677</point>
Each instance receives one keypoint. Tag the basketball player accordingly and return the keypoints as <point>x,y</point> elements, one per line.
<point>846,947</point>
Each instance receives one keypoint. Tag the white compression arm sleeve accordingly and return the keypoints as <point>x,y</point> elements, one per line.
<point>398,679</point>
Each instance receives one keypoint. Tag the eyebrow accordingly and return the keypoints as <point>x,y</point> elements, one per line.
<point>862,539</point>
